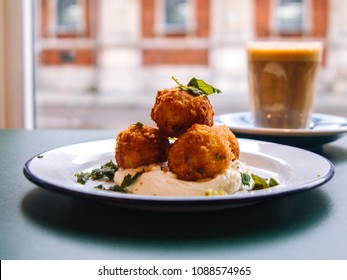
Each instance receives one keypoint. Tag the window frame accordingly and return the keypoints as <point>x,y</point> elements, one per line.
<point>16,64</point>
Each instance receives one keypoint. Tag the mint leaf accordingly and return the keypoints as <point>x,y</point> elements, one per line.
<point>197,87</point>
<point>202,86</point>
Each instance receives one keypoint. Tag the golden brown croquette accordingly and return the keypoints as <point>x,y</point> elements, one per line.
<point>201,152</point>
<point>140,145</point>
<point>176,110</point>
<point>231,138</point>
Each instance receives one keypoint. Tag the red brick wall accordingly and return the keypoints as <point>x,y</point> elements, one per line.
<point>202,10</point>
<point>175,57</point>
<point>320,19</point>
<point>147,17</point>
<point>44,18</point>
<point>262,18</point>
<point>79,57</point>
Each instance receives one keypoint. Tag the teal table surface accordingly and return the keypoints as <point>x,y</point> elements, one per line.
<point>39,224</point>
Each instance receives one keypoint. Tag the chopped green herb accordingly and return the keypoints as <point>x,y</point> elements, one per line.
<point>197,87</point>
<point>127,181</point>
<point>82,177</point>
<point>105,172</point>
<point>273,182</point>
<point>139,124</point>
<point>40,156</point>
<point>100,187</point>
<point>116,188</point>
<point>260,183</point>
<point>246,179</point>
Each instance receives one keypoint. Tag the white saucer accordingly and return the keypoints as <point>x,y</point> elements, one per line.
<point>242,125</point>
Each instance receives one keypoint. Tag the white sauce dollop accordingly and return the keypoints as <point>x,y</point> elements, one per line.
<point>155,181</point>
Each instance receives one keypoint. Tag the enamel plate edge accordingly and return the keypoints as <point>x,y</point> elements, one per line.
<point>54,170</point>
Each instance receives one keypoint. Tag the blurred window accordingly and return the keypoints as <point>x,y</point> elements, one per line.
<point>174,17</point>
<point>289,17</point>
<point>64,18</point>
<point>69,16</point>
<point>176,14</point>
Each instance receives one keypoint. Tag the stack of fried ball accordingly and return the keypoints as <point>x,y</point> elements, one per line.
<point>200,150</point>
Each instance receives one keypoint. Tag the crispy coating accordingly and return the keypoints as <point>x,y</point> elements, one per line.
<point>201,152</point>
<point>231,138</point>
<point>177,110</point>
<point>140,145</point>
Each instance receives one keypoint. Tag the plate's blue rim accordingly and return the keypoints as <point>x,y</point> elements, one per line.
<point>180,203</point>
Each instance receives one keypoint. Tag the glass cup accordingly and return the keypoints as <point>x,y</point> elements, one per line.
<point>281,79</point>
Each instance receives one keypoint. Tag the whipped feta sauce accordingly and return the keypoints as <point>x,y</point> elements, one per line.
<point>158,181</point>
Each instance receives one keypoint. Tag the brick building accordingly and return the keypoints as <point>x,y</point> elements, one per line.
<point>106,45</point>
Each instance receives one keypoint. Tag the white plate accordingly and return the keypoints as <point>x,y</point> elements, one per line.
<point>55,169</point>
<point>242,125</point>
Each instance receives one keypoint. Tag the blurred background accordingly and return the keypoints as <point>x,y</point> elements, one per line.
<point>96,60</point>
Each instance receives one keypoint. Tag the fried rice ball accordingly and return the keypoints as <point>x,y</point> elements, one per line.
<point>231,138</point>
<point>140,145</point>
<point>177,110</point>
<point>200,153</point>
